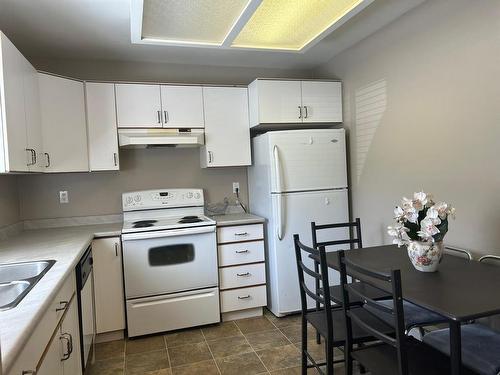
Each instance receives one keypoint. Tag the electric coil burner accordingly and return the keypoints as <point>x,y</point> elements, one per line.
<point>144,223</point>
<point>190,219</point>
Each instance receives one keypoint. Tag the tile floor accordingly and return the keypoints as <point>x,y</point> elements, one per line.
<point>263,345</point>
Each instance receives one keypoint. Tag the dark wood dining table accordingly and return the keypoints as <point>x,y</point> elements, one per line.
<point>460,290</point>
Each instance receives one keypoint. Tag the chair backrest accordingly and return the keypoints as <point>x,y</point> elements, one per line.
<point>355,225</point>
<point>458,252</point>
<point>352,313</point>
<point>490,259</point>
<point>320,275</point>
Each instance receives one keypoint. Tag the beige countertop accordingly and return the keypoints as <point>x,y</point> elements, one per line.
<point>237,219</point>
<point>65,246</point>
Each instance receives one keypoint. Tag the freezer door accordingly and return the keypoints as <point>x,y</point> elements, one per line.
<point>298,210</point>
<point>303,160</point>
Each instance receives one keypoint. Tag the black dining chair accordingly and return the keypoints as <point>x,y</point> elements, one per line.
<point>480,342</point>
<point>354,241</point>
<point>396,354</point>
<point>329,319</point>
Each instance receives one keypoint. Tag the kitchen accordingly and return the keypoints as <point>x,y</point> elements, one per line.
<point>75,192</point>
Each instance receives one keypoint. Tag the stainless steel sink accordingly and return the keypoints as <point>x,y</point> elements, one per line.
<point>17,279</point>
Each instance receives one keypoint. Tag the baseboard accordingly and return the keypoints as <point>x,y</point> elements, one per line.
<point>242,314</point>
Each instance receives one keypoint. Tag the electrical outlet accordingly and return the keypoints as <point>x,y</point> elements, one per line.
<point>236,185</point>
<point>63,197</point>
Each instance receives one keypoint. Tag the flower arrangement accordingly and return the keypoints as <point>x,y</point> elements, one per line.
<point>420,219</point>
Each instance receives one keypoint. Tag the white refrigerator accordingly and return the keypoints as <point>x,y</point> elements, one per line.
<point>297,176</point>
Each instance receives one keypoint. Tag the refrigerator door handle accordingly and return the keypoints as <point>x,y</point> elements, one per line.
<point>277,166</point>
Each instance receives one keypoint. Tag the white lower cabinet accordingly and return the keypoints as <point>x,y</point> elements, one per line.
<point>54,344</point>
<point>242,270</point>
<point>108,278</point>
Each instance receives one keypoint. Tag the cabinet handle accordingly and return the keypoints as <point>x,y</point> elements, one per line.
<point>115,158</point>
<point>210,157</point>
<point>33,157</point>
<point>241,234</point>
<point>243,274</point>
<point>241,251</point>
<point>307,114</point>
<point>30,372</point>
<point>165,114</point>
<point>159,116</point>
<point>116,249</point>
<point>63,304</point>
<point>69,346</point>
<point>48,159</point>
<point>244,297</point>
<point>300,111</point>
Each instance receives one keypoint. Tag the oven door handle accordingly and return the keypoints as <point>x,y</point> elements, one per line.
<point>167,233</point>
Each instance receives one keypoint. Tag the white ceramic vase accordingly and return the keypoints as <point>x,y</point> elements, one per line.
<point>425,256</point>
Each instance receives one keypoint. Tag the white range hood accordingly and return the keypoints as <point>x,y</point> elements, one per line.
<point>140,138</point>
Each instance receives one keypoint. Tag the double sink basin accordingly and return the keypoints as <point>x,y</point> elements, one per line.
<point>17,279</point>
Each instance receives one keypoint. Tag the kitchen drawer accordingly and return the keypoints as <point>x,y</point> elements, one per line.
<point>240,233</point>
<point>241,276</point>
<point>241,253</point>
<point>61,301</point>
<point>245,298</point>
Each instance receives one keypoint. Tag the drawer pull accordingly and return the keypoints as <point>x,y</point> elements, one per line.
<point>63,304</point>
<point>244,297</point>
<point>241,251</point>
<point>243,274</point>
<point>241,234</point>
<point>29,372</point>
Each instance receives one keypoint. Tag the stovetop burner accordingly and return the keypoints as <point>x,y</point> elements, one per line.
<point>144,223</point>
<point>190,219</point>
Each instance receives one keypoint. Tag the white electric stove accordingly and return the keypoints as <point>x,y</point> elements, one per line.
<point>169,261</point>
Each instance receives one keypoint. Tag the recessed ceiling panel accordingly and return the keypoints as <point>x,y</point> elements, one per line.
<point>291,24</point>
<point>190,21</point>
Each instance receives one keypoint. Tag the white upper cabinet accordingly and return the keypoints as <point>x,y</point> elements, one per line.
<point>64,129</point>
<point>274,102</point>
<point>227,130</point>
<point>321,101</point>
<point>138,106</point>
<point>33,118</point>
<point>182,106</point>
<point>17,94</point>
<point>289,101</point>
<point>101,123</point>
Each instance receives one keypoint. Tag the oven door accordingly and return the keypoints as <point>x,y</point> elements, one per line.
<point>169,261</point>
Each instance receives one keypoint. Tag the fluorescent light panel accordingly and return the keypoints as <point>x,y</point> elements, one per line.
<point>291,24</point>
<point>190,22</point>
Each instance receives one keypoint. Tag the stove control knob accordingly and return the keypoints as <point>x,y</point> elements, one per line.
<point>190,195</point>
<point>197,195</point>
<point>137,198</point>
<point>129,200</point>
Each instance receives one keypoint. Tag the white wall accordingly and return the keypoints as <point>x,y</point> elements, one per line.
<point>422,103</point>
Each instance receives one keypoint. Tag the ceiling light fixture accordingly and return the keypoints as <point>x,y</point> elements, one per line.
<point>283,25</point>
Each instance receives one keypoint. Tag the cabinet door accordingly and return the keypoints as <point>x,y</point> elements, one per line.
<point>51,362</point>
<point>33,117</point>
<point>138,106</point>
<point>227,129</point>
<point>182,106</point>
<point>108,277</point>
<point>64,129</point>
<point>17,159</point>
<point>279,101</point>
<point>322,101</point>
<point>70,333</point>
<point>101,122</point>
